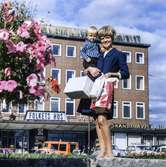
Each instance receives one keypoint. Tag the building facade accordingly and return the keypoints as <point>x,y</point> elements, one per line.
<point>56,118</point>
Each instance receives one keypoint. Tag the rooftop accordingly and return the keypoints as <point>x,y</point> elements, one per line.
<point>80,34</point>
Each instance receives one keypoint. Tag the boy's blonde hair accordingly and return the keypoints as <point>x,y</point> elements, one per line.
<point>92,29</point>
<point>107,30</point>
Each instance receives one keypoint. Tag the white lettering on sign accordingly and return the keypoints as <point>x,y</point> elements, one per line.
<point>46,116</point>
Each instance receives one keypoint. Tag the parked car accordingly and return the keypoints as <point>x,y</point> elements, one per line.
<point>57,147</point>
<point>115,150</point>
<point>161,149</point>
<point>138,149</point>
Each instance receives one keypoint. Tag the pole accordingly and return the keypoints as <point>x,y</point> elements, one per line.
<point>89,135</point>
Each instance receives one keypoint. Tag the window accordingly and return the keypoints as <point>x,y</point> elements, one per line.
<point>39,105</point>
<point>128,56</point>
<point>126,83</point>
<point>140,110</point>
<point>55,104</point>
<point>115,109</point>
<point>70,74</point>
<point>70,51</point>
<point>56,73</point>
<point>21,108</point>
<point>6,107</point>
<point>54,146</point>
<point>62,147</point>
<point>42,77</point>
<point>126,109</point>
<point>139,82</point>
<point>70,106</point>
<point>139,58</point>
<point>56,49</point>
<point>82,73</point>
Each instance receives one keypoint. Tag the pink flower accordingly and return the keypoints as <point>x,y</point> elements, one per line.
<point>11,47</point>
<point>10,85</point>
<point>23,30</point>
<point>7,71</point>
<point>37,90</point>
<point>32,80</point>
<point>32,90</point>
<point>20,47</point>
<point>2,85</point>
<point>4,34</point>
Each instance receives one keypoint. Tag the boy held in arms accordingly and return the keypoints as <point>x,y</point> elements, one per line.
<point>91,50</point>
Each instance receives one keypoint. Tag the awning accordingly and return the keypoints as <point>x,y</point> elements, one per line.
<point>55,125</point>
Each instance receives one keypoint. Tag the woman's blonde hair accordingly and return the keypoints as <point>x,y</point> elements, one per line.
<point>107,30</point>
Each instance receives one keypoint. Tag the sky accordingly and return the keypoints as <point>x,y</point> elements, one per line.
<point>136,17</point>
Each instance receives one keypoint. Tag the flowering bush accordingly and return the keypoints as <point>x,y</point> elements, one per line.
<point>24,53</point>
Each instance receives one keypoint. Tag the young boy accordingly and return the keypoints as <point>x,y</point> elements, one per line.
<point>90,51</point>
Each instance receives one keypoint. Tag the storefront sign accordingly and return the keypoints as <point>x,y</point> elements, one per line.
<point>46,116</point>
<point>143,126</point>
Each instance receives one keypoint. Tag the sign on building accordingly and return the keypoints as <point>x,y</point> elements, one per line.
<point>45,116</point>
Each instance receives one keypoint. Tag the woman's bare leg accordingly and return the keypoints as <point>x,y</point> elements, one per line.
<point>106,135</point>
<point>101,141</point>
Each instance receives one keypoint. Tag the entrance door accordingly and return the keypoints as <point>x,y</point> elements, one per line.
<point>120,139</point>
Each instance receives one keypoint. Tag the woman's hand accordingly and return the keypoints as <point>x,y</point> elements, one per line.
<point>93,71</point>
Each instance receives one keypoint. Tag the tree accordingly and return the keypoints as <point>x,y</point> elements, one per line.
<point>24,53</point>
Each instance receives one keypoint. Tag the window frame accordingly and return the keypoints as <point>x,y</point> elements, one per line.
<point>129,79</point>
<point>125,51</point>
<point>142,55</point>
<point>74,46</point>
<point>136,105</point>
<point>25,109</point>
<point>59,74</point>
<point>130,105</point>
<point>59,103</point>
<point>72,71</point>
<point>10,107</point>
<point>143,87</point>
<point>42,107</point>
<point>60,49</point>
<point>116,102</point>
<point>66,106</point>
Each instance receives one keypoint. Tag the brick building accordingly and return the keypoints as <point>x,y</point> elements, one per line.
<point>56,118</point>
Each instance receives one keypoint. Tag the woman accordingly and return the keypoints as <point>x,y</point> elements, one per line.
<point>111,63</point>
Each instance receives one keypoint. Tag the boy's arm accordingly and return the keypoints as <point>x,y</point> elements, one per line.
<point>83,52</point>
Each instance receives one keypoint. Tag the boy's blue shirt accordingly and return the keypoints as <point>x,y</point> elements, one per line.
<point>90,49</point>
